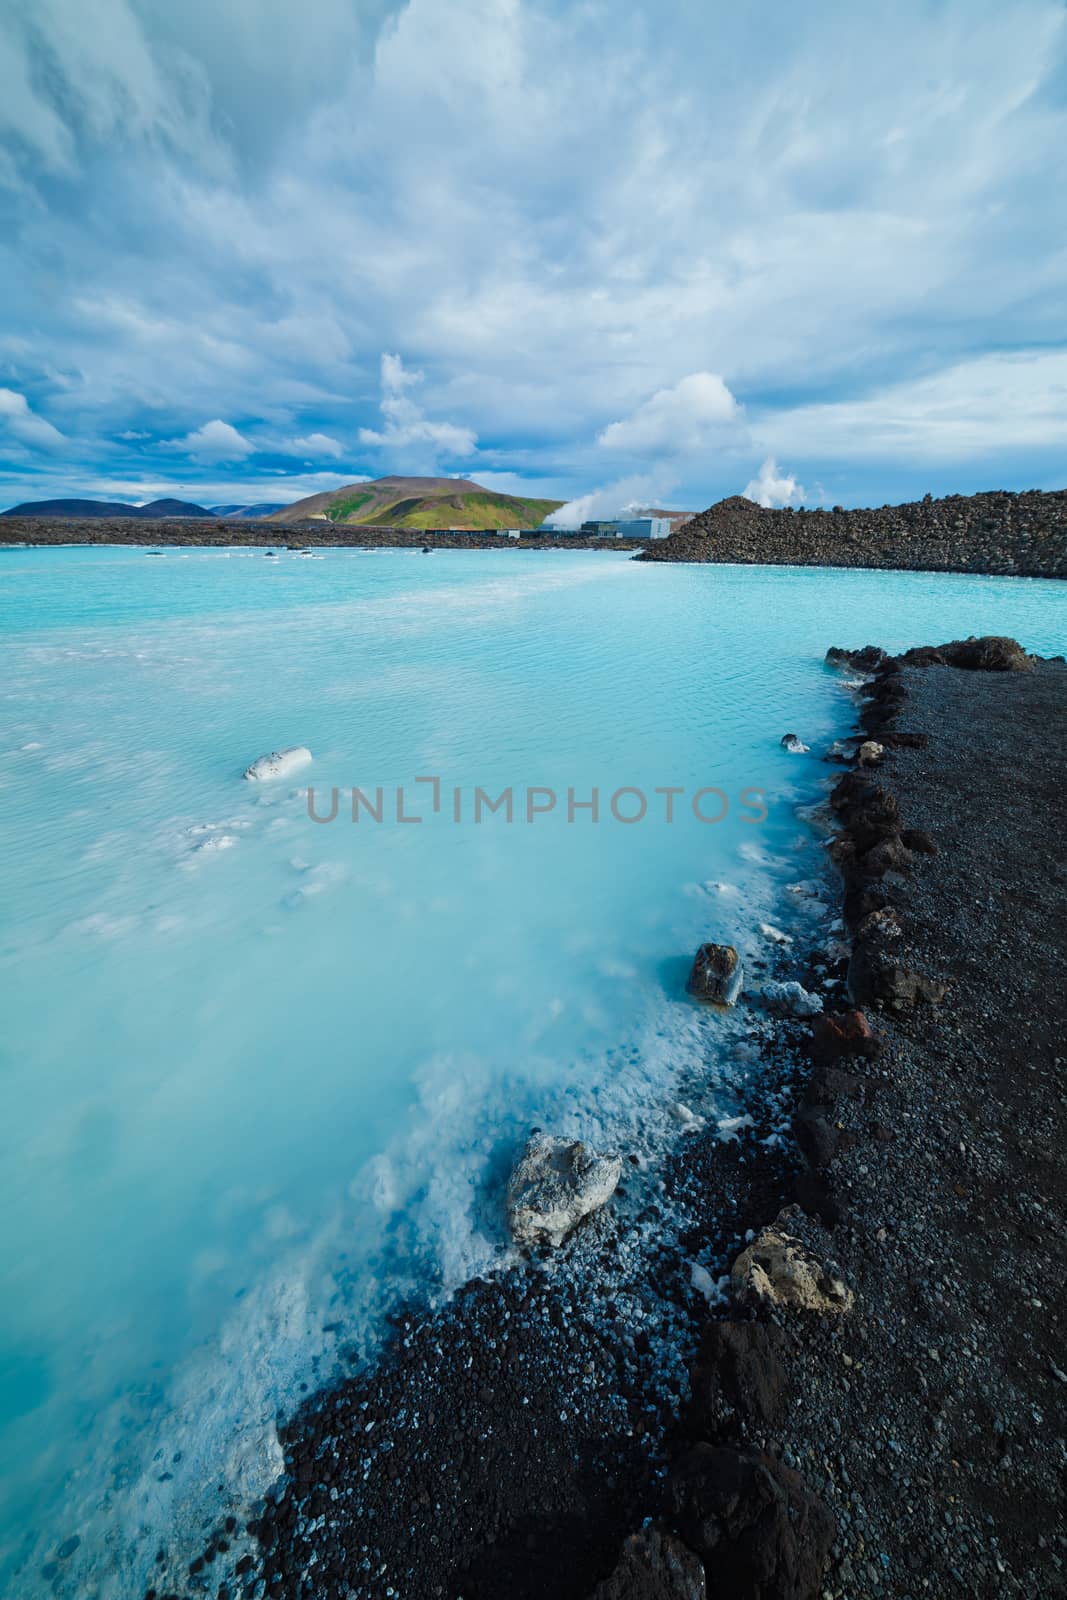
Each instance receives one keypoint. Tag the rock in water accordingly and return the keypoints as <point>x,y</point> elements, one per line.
<point>555,1184</point>
<point>717,974</point>
<point>279,763</point>
<point>778,1270</point>
<point>795,746</point>
<point>654,1565</point>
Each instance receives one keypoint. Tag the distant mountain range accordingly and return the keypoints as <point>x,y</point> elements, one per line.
<point>414,503</point>
<point>421,503</point>
<point>155,510</point>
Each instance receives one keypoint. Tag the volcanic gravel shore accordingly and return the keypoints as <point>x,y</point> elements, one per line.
<point>588,1425</point>
<point>208,533</point>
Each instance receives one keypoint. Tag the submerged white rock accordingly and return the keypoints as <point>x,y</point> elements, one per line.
<point>556,1183</point>
<point>791,998</point>
<point>279,763</point>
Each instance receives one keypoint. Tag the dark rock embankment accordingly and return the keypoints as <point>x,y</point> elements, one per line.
<point>1020,535</point>
<point>929,1419</point>
<point>317,534</point>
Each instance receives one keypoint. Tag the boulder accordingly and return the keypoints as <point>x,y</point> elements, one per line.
<point>777,1270</point>
<point>861,898</point>
<point>795,746</point>
<point>866,660</point>
<point>890,854</point>
<point>814,1195</point>
<point>756,1525</point>
<point>918,840</point>
<point>654,1565</point>
<point>556,1183</point>
<point>875,975</point>
<point>816,1136</point>
<point>843,1033</point>
<point>737,1377</point>
<point>854,789</point>
<point>875,818</point>
<point>884,922</point>
<point>717,974</point>
<point>870,753</point>
<point>279,763</point>
<point>924,655</point>
<point>992,653</point>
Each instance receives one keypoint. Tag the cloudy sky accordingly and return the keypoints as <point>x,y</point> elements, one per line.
<point>606,250</point>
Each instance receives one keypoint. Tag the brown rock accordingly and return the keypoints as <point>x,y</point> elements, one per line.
<point>843,1033</point>
<point>889,855</point>
<point>716,975</point>
<point>874,975</point>
<point>992,653</point>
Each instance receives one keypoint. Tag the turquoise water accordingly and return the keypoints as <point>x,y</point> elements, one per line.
<point>261,1075</point>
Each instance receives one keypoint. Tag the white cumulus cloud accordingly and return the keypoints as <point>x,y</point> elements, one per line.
<point>215,441</point>
<point>681,421</point>
<point>774,488</point>
<point>406,424</point>
<point>315,446</point>
<point>19,419</point>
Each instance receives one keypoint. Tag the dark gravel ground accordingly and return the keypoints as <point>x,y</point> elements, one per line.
<point>933,1420</point>
<point>508,1443</point>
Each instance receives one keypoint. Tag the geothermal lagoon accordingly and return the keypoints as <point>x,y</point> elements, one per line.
<point>265,1075</point>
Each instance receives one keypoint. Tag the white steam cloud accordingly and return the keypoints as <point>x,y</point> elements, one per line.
<point>773,488</point>
<point>613,500</point>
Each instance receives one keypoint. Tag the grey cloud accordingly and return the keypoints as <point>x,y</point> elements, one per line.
<point>221,209</point>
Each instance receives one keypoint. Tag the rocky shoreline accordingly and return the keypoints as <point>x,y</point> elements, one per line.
<point>318,534</point>
<point>874,1405</point>
<point>1015,535</point>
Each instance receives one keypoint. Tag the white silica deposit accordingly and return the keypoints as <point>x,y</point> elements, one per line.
<point>279,763</point>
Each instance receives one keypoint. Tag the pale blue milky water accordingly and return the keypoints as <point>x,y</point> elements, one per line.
<point>260,1075</point>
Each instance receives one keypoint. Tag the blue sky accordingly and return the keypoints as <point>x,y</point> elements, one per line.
<point>613,252</point>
